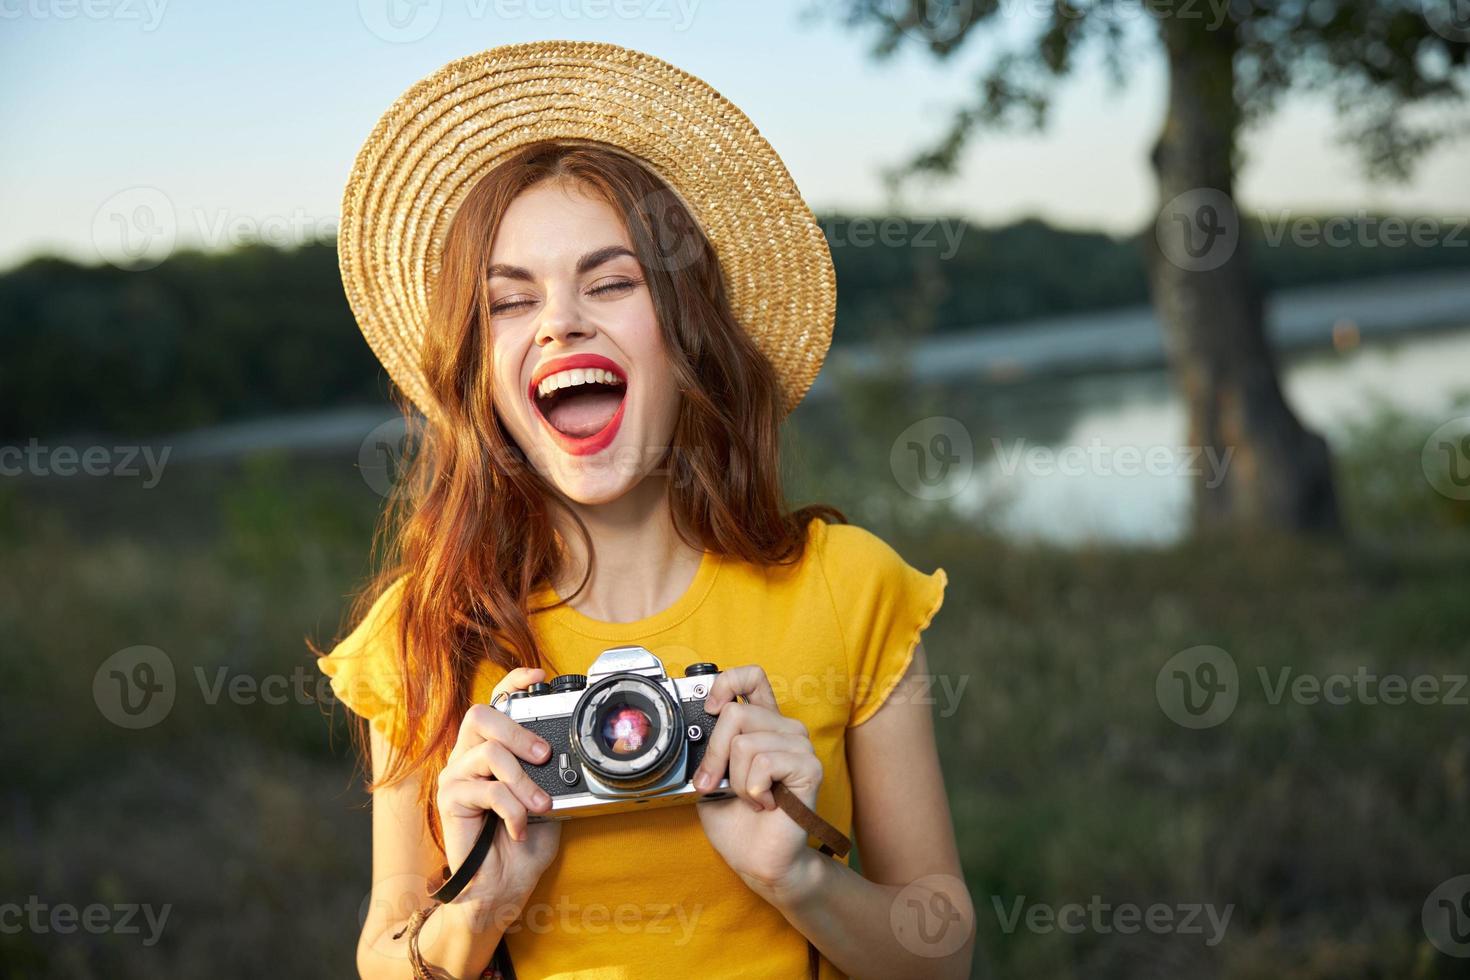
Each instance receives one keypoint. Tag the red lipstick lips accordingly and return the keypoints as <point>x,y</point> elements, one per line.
<point>598,441</point>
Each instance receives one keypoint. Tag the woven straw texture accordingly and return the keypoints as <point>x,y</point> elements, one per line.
<point>449,130</point>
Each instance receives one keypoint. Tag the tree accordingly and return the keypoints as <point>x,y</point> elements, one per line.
<point>1385,63</point>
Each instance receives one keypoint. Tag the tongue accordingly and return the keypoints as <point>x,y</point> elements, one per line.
<point>584,413</point>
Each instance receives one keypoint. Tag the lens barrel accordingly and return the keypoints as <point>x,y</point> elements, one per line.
<point>627,730</point>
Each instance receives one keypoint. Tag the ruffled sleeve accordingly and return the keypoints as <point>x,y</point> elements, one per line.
<point>883,604</point>
<point>364,666</point>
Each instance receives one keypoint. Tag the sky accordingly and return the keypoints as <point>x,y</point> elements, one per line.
<point>233,119</point>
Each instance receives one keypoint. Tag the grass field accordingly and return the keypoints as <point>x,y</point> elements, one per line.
<point>1319,828</point>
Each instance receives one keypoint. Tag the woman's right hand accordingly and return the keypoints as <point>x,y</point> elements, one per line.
<point>482,775</point>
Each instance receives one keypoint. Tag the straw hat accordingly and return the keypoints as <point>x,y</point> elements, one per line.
<point>449,130</point>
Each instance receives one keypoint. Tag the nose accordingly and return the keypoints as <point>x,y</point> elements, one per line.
<point>561,321</point>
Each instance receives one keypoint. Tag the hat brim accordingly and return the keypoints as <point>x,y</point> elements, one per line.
<point>452,128</point>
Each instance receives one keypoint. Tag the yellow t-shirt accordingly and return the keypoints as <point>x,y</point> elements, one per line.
<point>645,894</point>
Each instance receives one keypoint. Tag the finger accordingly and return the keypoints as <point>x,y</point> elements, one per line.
<point>794,769</point>
<point>476,726</point>
<point>483,723</point>
<point>495,796</point>
<point>492,760</point>
<point>734,719</point>
<point>517,680</point>
<point>745,747</point>
<point>750,681</point>
<point>716,761</point>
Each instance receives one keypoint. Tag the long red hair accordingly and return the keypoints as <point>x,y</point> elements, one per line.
<point>469,531</point>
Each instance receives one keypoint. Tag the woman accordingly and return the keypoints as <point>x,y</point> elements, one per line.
<point>598,284</point>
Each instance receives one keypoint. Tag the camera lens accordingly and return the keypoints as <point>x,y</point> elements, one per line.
<point>627,731</point>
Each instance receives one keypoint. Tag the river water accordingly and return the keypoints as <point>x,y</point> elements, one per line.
<point>1103,457</point>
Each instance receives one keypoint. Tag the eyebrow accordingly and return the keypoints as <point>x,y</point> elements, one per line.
<point>588,261</point>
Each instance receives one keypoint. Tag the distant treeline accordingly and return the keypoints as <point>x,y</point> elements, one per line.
<point>205,338</point>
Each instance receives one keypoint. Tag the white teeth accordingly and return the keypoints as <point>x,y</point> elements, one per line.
<point>575,376</point>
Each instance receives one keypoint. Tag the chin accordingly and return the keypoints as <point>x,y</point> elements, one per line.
<point>592,479</point>
<point>596,491</point>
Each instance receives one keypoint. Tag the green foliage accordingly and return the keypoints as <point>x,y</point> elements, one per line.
<point>197,340</point>
<point>275,519</point>
<point>1324,826</point>
<point>1385,487</point>
<point>949,274</point>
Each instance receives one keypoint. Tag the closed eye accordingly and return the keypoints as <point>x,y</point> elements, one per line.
<point>509,306</point>
<point>616,286</point>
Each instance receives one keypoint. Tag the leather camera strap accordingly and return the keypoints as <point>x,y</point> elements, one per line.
<point>456,882</point>
<point>834,841</point>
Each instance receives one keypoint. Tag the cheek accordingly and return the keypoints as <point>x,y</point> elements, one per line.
<point>507,381</point>
<point>646,345</point>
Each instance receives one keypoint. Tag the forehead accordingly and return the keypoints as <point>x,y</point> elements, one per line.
<point>556,221</point>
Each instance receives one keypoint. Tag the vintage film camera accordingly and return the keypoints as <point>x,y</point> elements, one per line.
<point>623,736</point>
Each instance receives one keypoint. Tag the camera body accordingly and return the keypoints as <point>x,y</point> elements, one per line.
<point>624,736</point>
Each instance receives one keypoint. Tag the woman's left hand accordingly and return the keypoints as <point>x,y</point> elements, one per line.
<point>760,746</point>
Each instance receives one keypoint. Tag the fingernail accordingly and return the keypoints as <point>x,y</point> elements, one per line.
<point>701,780</point>
<point>542,750</point>
<point>540,798</point>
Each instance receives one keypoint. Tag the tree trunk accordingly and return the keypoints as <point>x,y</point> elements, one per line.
<point>1278,475</point>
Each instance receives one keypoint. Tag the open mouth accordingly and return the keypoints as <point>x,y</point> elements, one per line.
<point>580,400</point>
